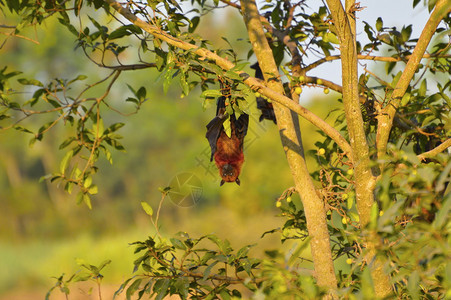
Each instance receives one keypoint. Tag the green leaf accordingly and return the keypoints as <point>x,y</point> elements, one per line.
<point>13,5</point>
<point>134,100</point>
<point>68,187</point>
<point>208,270</point>
<point>227,127</point>
<point>34,82</point>
<point>79,77</point>
<point>332,38</point>
<point>67,142</point>
<point>104,264</point>
<point>122,287</point>
<point>207,256</point>
<point>147,208</point>
<point>405,99</point>
<point>169,77</point>
<point>20,128</point>
<point>114,127</point>
<point>297,252</point>
<point>79,198</point>
<point>243,252</point>
<point>178,244</point>
<point>32,142</point>
<point>65,161</point>
<point>141,94</point>
<point>87,200</point>
<point>161,288</point>
<point>98,127</point>
<point>413,285</point>
<point>164,190</point>
<point>350,201</point>
<point>69,26</point>
<point>88,181</point>
<point>108,155</point>
<point>211,94</point>
<point>225,295</point>
<point>93,189</point>
<point>385,38</point>
<point>193,24</point>
<point>184,85</point>
<point>379,24</point>
<point>423,88</point>
<point>118,33</point>
<point>182,287</point>
<point>82,277</point>
<point>406,32</point>
<point>374,215</point>
<point>133,288</point>
<point>443,215</point>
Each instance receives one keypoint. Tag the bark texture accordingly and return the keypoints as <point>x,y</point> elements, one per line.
<point>292,144</point>
<point>344,22</point>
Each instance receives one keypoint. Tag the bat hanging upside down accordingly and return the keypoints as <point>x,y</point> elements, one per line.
<point>227,150</point>
<point>263,105</point>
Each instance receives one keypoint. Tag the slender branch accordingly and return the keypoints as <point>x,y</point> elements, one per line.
<point>440,148</point>
<point>324,82</point>
<point>77,100</point>
<point>227,65</point>
<point>21,37</point>
<point>230,3</point>
<point>155,222</point>
<point>97,140</point>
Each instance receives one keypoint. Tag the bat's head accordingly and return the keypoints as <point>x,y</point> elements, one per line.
<point>229,173</point>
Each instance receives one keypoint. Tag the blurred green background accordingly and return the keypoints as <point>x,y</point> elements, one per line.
<point>43,230</point>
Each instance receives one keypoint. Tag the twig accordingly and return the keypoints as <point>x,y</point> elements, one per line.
<point>155,223</point>
<point>97,141</point>
<point>20,36</point>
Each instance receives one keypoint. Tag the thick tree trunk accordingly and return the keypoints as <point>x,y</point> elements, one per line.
<point>364,180</point>
<point>291,141</point>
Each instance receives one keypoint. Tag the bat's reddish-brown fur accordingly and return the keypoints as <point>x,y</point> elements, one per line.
<point>229,156</point>
<point>227,151</point>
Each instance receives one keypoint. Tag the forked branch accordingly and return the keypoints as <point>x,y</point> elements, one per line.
<point>441,10</point>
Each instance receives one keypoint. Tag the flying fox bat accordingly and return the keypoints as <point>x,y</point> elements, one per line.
<point>227,151</point>
<point>264,106</point>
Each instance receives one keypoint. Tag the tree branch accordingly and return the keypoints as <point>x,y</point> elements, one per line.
<point>440,148</point>
<point>292,144</point>
<point>227,65</point>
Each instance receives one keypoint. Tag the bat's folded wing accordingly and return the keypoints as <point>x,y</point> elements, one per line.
<point>214,129</point>
<point>242,125</point>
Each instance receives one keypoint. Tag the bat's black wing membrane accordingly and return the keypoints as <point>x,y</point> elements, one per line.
<point>263,105</point>
<point>214,128</point>
<point>241,126</point>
